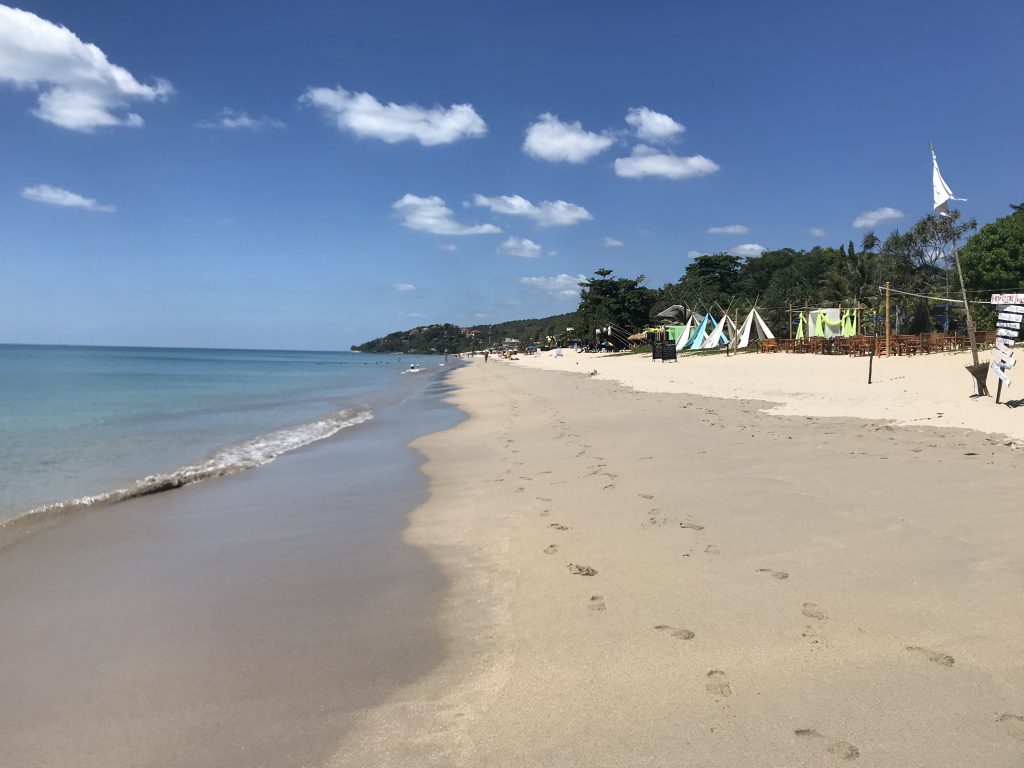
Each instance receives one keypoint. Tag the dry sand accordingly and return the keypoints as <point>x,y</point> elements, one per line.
<point>672,580</point>
<point>924,389</point>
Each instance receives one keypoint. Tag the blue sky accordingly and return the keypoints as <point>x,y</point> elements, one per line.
<point>230,173</point>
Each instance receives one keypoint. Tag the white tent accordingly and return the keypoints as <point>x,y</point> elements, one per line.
<point>687,332</point>
<point>754,322</point>
<point>718,337</point>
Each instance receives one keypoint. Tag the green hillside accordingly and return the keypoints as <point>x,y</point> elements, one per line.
<point>445,337</point>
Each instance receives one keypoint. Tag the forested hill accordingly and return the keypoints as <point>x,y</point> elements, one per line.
<point>445,337</point>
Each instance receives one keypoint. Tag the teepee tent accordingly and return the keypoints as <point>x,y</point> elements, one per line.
<point>754,322</point>
<point>718,336</point>
<point>701,334</point>
<point>687,331</point>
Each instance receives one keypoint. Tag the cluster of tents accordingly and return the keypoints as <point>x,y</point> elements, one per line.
<point>704,332</point>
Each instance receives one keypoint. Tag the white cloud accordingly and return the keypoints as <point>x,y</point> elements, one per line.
<point>44,193</point>
<point>549,213</point>
<point>647,161</point>
<point>430,214</point>
<point>748,249</point>
<point>694,254</point>
<point>611,242</point>
<point>520,246</point>
<point>229,120</point>
<point>653,126</point>
<point>551,139</point>
<point>80,89</point>
<point>363,115</point>
<point>566,286</point>
<point>816,232</point>
<point>403,287</point>
<point>876,217</point>
<point>447,247</point>
<point>731,229</point>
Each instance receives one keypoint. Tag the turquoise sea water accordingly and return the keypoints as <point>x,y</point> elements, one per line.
<point>85,425</point>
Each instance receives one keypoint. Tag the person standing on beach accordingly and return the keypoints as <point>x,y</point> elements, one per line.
<point>486,353</point>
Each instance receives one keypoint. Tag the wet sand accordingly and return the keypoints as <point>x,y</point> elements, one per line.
<point>669,579</point>
<point>240,622</point>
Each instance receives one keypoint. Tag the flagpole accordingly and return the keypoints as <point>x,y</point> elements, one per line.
<point>978,370</point>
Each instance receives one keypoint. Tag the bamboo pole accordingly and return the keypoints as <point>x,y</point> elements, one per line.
<point>888,348</point>
<point>790,317</point>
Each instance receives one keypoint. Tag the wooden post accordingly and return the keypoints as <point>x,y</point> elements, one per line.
<point>888,348</point>
<point>790,316</point>
<point>735,331</point>
<point>978,370</point>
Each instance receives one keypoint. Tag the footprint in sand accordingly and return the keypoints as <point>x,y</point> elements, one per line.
<point>581,570</point>
<point>541,498</point>
<point>550,550</point>
<point>939,658</point>
<point>780,575</point>
<point>608,487</point>
<point>520,489</point>
<point>646,495</point>
<point>544,513</point>
<point>596,603</point>
<point>682,634</point>
<point>692,526</point>
<point>844,750</point>
<point>718,683</point>
<point>1014,725</point>
<point>558,526</point>
<point>712,549</point>
<point>812,611</point>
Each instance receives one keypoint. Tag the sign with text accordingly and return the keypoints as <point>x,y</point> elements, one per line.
<point>1007,298</point>
<point>1008,322</point>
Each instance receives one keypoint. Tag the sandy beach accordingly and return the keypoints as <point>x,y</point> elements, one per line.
<point>667,579</point>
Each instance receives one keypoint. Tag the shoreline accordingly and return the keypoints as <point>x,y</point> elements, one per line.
<point>250,616</point>
<point>767,589</point>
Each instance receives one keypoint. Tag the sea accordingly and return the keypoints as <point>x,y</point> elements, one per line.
<point>87,426</point>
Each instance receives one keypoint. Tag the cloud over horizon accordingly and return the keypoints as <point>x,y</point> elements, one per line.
<point>557,213</point>
<point>80,89</point>
<point>647,161</point>
<point>563,285</point>
<point>50,195</point>
<point>403,287</point>
<point>230,120</point>
<point>611,242</point>
<point>363,115</point>
<point>876,217</point>
<point>816,232</point>
<point>548,138</point>
<point>522,247</point>
<point>653,126</point>
<point>430,214</point>
<point>729,229</point>
<point>748,249</point>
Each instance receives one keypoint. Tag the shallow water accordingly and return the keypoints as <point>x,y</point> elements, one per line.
<point>84,424</point>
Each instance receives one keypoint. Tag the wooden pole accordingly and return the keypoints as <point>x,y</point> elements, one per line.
<point>888,348</point>
<point>978,370</point>
<point>790,315</point>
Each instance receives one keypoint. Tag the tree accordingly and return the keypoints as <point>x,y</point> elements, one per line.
<point>993,259</point>
<point>605,300</point>
<point>711,279</point>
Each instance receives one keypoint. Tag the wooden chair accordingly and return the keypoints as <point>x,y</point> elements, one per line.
<point>768,345</point>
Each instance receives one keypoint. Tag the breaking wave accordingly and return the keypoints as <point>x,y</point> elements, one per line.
<point>237,457</point>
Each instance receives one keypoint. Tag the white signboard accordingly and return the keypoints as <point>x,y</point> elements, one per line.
<point>1011,313</point>
<point>1007,298</point>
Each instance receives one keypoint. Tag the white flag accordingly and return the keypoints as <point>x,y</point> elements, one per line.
<point>940,189</point>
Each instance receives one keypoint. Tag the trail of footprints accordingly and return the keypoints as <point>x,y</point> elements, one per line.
<point>717,682</point>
